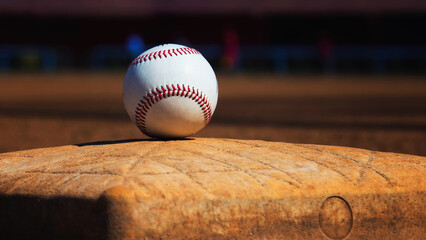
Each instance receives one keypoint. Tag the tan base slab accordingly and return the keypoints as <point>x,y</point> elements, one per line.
<point>211,189</point>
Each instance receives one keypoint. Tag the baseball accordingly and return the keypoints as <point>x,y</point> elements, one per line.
<point>170,91</point>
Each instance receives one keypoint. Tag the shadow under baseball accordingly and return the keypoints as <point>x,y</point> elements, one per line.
<point>97,143</point>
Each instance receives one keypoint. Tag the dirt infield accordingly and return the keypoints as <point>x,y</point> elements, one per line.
<point>377,113</point>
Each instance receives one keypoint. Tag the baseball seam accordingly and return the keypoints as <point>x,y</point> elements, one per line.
<point>166,91</point>
<point>164,53</point>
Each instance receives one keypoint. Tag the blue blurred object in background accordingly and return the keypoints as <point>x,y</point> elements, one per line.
<point>135,45</point>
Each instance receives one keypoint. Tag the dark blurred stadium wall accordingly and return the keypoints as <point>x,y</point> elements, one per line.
<point>312,36</point>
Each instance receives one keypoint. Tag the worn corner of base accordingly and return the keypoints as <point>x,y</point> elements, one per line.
<point>119,193</point>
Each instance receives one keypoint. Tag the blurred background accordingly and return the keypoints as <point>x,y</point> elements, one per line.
<point>349,73</point>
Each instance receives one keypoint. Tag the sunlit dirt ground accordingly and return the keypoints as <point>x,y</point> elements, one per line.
<point>379,113</point>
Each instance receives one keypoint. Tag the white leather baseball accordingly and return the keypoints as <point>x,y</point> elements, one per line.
<point>170,91</point>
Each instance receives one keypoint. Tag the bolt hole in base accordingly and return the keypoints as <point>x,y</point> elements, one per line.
<point>335,218</point>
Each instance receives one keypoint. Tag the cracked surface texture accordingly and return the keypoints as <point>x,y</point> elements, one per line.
<point>212,188</point>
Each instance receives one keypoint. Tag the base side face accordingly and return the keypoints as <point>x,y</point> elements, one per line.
<point>286,218</point>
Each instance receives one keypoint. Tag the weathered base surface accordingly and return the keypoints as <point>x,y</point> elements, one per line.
<point>211,189</point>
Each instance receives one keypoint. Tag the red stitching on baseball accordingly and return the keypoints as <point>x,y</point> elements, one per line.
<point>169,91</point>
<point>163,53</point>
